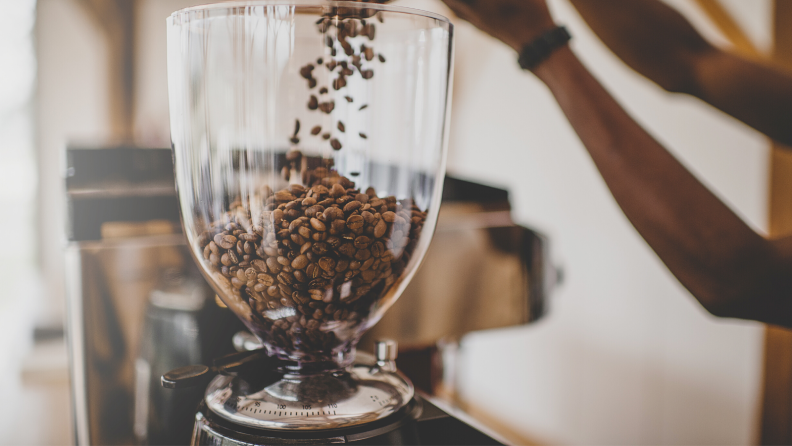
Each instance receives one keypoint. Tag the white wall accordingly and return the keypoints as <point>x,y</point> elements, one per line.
<point>626,355</point>
<point>71,105</point>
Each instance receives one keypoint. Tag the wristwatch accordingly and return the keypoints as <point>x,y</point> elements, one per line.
<point>542,47</point>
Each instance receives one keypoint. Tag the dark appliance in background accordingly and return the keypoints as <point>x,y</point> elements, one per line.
<point>138,306</point>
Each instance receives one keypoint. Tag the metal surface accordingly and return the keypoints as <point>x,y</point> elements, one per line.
<point>420,422</point>
<point>362,393</point>
<point>481,272</point>
<point>137,306</point>
<point>386,350</point>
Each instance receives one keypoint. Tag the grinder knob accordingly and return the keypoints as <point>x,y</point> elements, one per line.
<point>386,351</point>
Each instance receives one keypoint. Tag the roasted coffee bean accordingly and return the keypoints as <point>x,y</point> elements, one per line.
<point>377,249</point>
<point>277,216</point>
<point>333,213</point>
<point>342,265</point>
<point>285,278</point>
<point>214,248</point>
<point>225,241</point>
<point>337,191</point>
<point>225,259</point>
<point>284,196</point>
<point>301,297</point>
<point>313,103</point>
<point>273,265</point>
<point>362,254</point>
<point>354,222</point>
<point>313,210</point>
<point>236,283</point>
<point>316,130</point>
<point>318,225</point>
<point>352,206</point>
<point>367,264</point>
<point>322,90</point>
<point>285,290</point>
<point>362,242</point>
<point>326,107</point>
<point>368,276</point>
<point>300,275</point>
<point>347,249</point>
<point>335,144</point>
<point>325,136</point>
<point>328,264</point>
<point>381,58</point>
<point>367,74</point>
<point>297,239</point>
<point>333,242</point>
<point>380,228</point>
<point>316,294</point>
<point>240,274</point>
<point>306,72</point>
<point>319,248</point>
<point>341,127</point>
<point>265,279</point>
<point>300,262</point>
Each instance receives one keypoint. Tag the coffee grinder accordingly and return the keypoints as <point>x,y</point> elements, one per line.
<point>309,145</point>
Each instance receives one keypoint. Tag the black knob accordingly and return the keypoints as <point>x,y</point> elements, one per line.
<point>189,376</point>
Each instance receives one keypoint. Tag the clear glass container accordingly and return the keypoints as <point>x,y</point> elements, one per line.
<point>309,144</point>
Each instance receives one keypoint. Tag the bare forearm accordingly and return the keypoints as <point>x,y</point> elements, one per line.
<point>707,247</point>
<point>658,42</point>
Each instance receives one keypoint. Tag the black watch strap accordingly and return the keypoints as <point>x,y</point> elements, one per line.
<point>542,47</point>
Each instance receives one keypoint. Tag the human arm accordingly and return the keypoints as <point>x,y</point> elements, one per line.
<point>659,43</point>
<point>729,268</point>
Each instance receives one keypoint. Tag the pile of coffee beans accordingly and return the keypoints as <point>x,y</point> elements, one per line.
<point>316,261</point>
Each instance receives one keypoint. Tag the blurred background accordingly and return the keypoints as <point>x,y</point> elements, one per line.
<point>624,355</point>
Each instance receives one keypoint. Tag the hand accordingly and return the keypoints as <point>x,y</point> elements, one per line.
<point>514,22</point>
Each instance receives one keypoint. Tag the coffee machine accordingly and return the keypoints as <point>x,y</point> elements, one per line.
<point>135,314</point>
<point>309,150</point>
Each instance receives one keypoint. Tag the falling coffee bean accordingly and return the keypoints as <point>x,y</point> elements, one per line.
<point>335,144</point>
<point>313,103</point>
